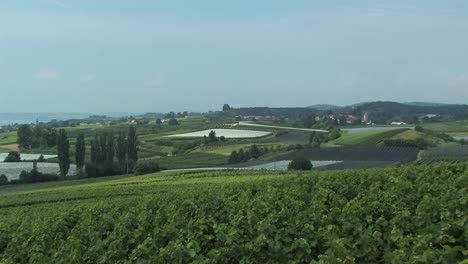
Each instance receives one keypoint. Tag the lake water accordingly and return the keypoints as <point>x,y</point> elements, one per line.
<point>28,118</point>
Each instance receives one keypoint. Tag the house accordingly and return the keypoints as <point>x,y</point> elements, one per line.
<point>351,119</point>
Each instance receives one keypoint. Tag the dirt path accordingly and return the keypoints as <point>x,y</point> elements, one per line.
<point>12,147</point>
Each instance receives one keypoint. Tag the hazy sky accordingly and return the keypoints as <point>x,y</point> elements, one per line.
<point>152,55</point>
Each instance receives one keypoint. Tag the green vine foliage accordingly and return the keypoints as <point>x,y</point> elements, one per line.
<point>408,214</point>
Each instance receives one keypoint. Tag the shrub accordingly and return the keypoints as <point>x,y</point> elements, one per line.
<point>3,179</point>
<point>300,164</point>
<point>146,166</point>
<point>173,122</point>
<point>13,156</point>
<point>105,169</point>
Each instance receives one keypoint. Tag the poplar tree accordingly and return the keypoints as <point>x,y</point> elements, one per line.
<point>132,148</point>
<point>121,149</point>
<point>63,150</point>
<point>80,151</point>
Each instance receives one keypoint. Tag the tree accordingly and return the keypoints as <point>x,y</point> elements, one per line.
<point>234,157</point>
<point>212,135</point>
<point>121,148</point>
<point>132,148</point>
<point>170,115</point>
<point>93,154</point>
<point>158,121</point>
<point>102,148</point>
<point>25,136</point>
<point>241,155</point>
<point>247,156</point>
<point>110,148</point>
<point>80,152</point>
<point>226,107</point>
<point>146,167</point>
<point>50,137</point>
<point>3,179</point>
<point>13,156</point>
<point>300,164</point>
<point>254,151</point>
<point>173,122</point>
<point>37,137</point>
<point>63,150</point>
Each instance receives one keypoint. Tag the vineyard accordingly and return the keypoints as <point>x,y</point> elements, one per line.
<point>369,138</point>
<point>454,154</point>
<point>364,153</point>
<point>409,214</point>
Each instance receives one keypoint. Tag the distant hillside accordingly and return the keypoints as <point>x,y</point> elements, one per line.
<point>398,109</point>
<point>323,107</point>
<point>273,111</point>
<point>425,104</point>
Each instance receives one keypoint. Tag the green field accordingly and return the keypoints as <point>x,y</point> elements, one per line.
<point>453,126</point>
<point>7,138</point>
<point>369,216</point>
<point>413,135</point>
<point>367,138</point>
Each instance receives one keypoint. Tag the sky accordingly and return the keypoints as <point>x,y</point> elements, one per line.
<point>158,56</point>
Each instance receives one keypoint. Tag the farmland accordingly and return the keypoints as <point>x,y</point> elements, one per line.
<point>360,130</point>
<point>364,153</point>
<point>13,169</point>
<point>252,124</point>
<point>368,138</point>
<point>368,216</point>
<point>283,164</point>
<point>227,133</point>
<point>28,157</point>
<point>453,154</point>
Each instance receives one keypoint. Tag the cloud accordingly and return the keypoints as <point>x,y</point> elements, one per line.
<point>47,75</point>
<point>87,78</point>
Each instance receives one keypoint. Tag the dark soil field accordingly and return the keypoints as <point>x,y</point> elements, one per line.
<point>356,153</point>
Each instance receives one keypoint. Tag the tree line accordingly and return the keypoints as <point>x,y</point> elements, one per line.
<point>36,137</point>
<point>108,155</point>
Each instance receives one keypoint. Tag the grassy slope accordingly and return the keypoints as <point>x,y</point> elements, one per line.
<point>412,135</point>
<point>4,150</point>
<point>27,187</point>
<point>454,126</point>
<point>7,138</point>
<point>368,138</point>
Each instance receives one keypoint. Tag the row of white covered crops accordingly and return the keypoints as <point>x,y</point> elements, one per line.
<point>13,169</point>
